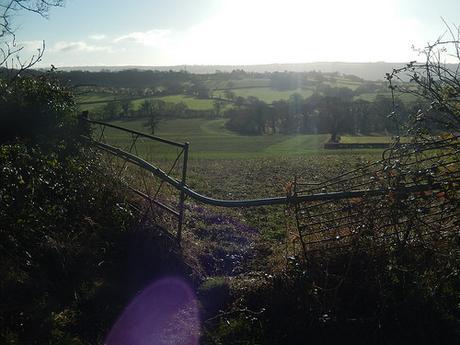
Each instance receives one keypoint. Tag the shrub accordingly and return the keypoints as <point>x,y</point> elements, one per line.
<point>38,110</point>
<point>60,221</point>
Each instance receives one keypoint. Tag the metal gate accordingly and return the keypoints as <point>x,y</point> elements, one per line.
<point>410,194</point>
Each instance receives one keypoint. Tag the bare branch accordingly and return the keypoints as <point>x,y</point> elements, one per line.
<point>436,79</point>
<point>9,49</point>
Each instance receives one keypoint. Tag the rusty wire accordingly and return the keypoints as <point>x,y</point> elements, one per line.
<point>401,215</point>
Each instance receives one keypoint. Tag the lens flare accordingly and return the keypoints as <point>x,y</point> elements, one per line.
<point>164,313</point>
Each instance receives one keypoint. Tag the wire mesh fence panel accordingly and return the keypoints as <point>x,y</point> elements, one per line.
<point>410,196</point>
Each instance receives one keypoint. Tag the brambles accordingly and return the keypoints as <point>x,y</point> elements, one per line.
<point>38,110</point>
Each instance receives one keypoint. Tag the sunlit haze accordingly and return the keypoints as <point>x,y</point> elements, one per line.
<point>234,32</point>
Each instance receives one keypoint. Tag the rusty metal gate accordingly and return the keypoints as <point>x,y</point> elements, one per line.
<point>410,196</point>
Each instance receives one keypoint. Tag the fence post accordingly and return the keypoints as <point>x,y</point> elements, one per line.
<point>182,193</point>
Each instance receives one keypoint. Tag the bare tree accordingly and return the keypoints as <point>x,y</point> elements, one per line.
<point>9,48</point>
<point>436,79</point>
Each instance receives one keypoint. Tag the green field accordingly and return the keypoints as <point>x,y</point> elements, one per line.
<point>365,139</point>
<point>368,139</point>
<point>192,103</point>
<point>242,88</point>
<point>266,94</point>
<point>345,83</point>
<point>370,97</point>
<point>210,139</point>
<point>249,87</point>
<point>237,83</point>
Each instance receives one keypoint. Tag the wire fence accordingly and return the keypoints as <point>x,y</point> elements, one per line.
<point>419,200</point>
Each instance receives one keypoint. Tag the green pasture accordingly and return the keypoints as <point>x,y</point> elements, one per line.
<point>407,98</point>
<point>191,102</point>
<point>266,94</point>
<point>345,83</point>
<point>238,83</point>
<point>365,139</point>
<point>368,139</point>
<point>209,139</point>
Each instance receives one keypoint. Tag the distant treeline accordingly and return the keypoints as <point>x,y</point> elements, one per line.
<point>320,114</point>
<point>365,70</point>
<point>157,108</point>
<point>334,110</point>
<point>180,80</point>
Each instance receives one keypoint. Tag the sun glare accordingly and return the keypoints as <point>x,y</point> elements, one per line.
<point>270,31</point>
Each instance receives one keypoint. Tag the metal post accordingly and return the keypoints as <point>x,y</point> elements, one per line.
<point>182,193</point>
<point>302,242</point>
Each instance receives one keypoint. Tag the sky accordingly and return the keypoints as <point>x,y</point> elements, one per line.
<point>233,32</point>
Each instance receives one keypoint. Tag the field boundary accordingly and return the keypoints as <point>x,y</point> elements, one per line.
<point>341,146</point>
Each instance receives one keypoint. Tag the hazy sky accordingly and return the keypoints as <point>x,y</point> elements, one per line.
<point>176,32</point>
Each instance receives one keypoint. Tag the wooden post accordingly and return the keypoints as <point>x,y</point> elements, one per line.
<point>182,193</point>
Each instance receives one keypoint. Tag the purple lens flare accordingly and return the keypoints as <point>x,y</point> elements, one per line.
<point>166,312</point>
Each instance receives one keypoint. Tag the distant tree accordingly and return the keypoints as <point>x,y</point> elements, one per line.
<point>352,77</point>
<point>333,116</point>
<point>180,109</point>
<point>240,101</point>
<point>217,105</point>
<point>295,103</point>
<point>258,111</point>
<point>367,88</point>
<point>280,109</point>
<point>203,92</point>
<point>127,108</point>
<point>285,81</point>
<point>323,88</point>
<point>309,123</point>
<point>362,117</point>
<point>251,118</point>
<point>291,116</point>
<point>316,75</point>
<point>229,94</point>
<point>174,88</point>
<point>111,110</point>
<point>152,110</point>
<point>343,93</point>
<point>200,90</point>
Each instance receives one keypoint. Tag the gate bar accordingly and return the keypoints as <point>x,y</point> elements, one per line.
<point>255,202</point>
